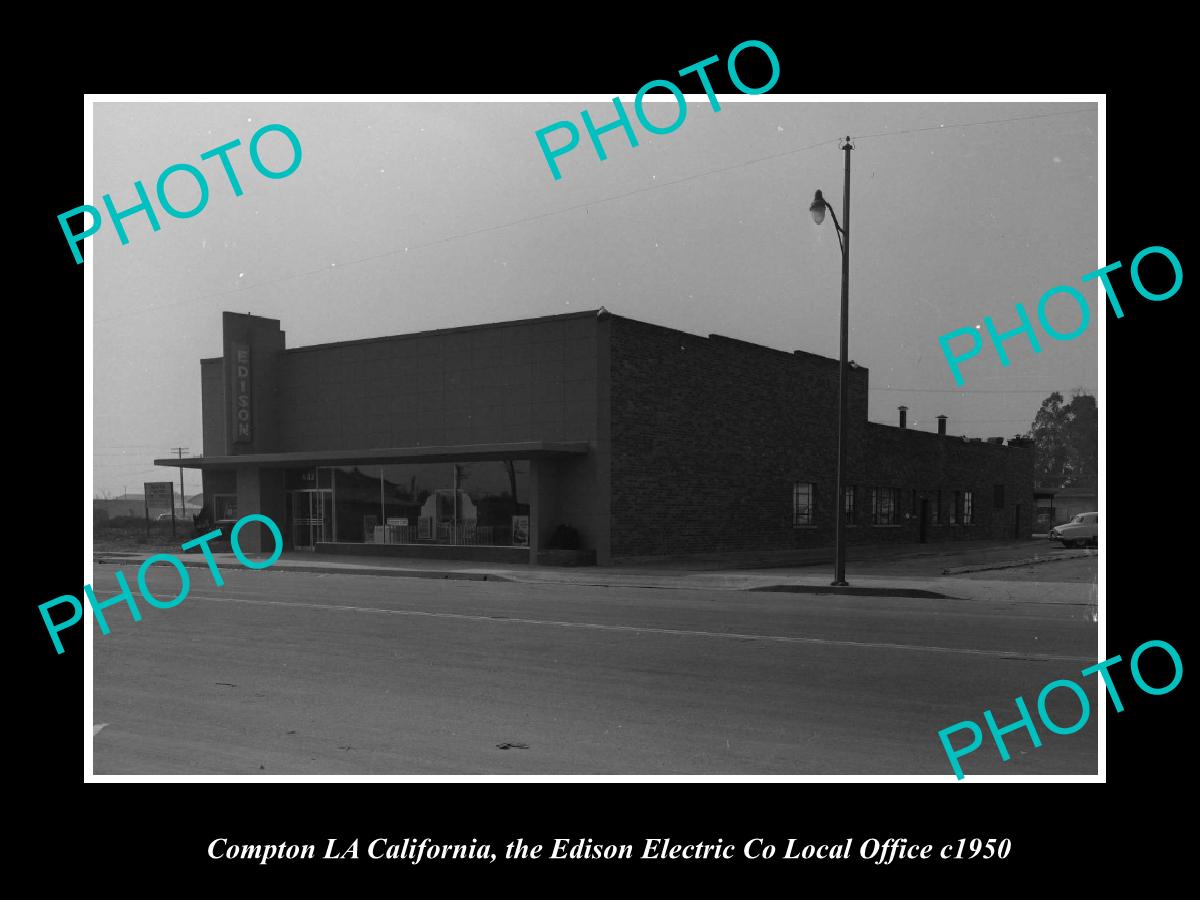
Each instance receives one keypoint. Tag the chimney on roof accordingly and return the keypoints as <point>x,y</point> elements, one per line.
<point>903,416</point>
<point>941,425</point>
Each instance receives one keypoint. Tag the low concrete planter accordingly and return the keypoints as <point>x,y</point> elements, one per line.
<point>565,558</point>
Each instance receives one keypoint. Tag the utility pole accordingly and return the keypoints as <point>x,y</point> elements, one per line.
<point>818,209</point>
<point>182,498</point>
<point>839,577</point>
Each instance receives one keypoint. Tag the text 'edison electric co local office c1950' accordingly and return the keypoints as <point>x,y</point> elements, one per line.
<point>572,439</point>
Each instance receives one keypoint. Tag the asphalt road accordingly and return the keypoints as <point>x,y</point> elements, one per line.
<point>291,673</point>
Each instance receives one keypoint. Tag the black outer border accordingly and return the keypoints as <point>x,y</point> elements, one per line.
<point>1148,412</point>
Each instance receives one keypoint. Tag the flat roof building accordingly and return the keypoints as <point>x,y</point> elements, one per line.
<point>583,436</point>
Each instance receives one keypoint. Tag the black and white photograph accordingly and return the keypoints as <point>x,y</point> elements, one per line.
<point>687,435</point>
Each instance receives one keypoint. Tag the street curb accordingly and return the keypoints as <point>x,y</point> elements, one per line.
<point>915,593</point>
<point>1018,563</point>
<point>198,562</point>
<point>324,570</point>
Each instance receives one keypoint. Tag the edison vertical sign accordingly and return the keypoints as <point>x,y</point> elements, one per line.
<point>243,416</point>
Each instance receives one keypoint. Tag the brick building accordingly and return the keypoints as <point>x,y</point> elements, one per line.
<point>497,441</point>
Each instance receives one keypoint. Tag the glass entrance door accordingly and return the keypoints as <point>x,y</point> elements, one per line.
<point>312,518</point>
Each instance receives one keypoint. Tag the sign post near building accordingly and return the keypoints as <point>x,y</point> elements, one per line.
<point>159,492</point>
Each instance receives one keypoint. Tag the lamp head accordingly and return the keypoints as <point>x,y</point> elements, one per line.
<point>817,208</point>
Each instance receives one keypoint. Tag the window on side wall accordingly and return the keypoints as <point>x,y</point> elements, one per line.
<point>956,509</point>
<point>225,507</point>
<point>848,504</point>
<point>966,508</point>
<point>803,499</point>
<point>884,505</point>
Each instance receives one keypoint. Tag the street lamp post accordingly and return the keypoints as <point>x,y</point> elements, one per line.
<point>818,208</point>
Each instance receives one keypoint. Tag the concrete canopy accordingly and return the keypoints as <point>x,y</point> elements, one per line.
<point>385,456</point>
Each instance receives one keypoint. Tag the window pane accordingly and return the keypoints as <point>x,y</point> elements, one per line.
<point>300,479</point>
<point>472,503</point>
<point>498,491</point>
<point>356,509</point>
<point>802,503</point>
<point>225,507</point>
<point>407,490</point>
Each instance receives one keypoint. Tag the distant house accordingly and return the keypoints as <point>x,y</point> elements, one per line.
<point>1069,502</point>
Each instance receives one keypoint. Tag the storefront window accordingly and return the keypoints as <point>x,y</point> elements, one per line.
<point>409,513</point>
<point>472,503</point>
<point>497,492</point>
<point>356,503</point>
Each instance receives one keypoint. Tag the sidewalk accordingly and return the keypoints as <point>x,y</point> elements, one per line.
<point>917,573</point>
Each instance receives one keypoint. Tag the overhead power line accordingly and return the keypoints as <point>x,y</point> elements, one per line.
<point>334,267</point>
<point>943,127</point>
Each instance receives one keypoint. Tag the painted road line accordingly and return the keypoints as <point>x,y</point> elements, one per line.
<point>741,636</point>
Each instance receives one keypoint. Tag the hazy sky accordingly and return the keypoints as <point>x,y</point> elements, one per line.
<point>400,215</point>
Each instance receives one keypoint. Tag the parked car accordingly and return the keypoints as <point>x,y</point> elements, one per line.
<point>165,517</point>
<point>1083,530</point>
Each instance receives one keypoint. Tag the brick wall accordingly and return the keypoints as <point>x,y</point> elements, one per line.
<point>709,434</point>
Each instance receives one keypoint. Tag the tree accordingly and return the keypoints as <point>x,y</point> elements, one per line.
<point>1066,442</point>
